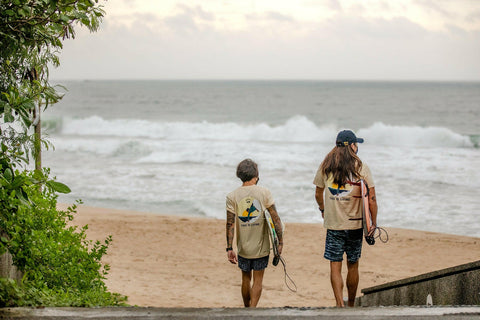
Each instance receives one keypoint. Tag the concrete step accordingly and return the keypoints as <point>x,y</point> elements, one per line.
<point>137,313</point>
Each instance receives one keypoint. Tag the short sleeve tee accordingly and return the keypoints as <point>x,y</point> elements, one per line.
<point>343,205</point>
<point>249,203</point>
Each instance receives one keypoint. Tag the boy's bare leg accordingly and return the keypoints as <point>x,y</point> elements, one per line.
<point>246,280</point>
<point>256,291</point>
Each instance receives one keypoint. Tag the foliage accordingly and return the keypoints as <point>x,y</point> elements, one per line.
<point>13,147</point>
<point>31,34</point>
<point>61,267</point>
<point>13,294</point>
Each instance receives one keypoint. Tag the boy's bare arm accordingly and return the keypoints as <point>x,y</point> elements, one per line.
<point>278,226</point>
<point>230,228</point>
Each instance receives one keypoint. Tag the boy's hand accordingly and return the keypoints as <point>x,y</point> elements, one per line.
<point>232,257</point>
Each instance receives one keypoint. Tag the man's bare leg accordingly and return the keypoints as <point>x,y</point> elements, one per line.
<point>256,287</point>
<point>246,279</point>
<point>337,282</point>
<point>352,282</point>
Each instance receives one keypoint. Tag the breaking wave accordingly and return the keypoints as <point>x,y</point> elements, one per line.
<point>296,129</point>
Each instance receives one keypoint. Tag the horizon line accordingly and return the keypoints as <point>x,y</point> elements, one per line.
<point>268,79</point>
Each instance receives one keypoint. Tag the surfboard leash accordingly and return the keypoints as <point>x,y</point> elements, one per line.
<point>287,277</point>
<point>380,231</point>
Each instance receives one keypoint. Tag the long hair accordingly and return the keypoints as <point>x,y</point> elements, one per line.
<point>343,164</point>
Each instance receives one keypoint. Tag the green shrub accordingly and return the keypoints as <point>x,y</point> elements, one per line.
<point>61,267</point>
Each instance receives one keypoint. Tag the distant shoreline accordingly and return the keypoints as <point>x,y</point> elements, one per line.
<point>394,81</point>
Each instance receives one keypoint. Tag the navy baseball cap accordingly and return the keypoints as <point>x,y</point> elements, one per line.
<point>347,137</point>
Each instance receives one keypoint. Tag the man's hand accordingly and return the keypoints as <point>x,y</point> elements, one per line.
<point>280,247</point>
<point>232,256</point>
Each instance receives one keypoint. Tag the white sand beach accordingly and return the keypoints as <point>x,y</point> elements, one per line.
<point>171,261</point>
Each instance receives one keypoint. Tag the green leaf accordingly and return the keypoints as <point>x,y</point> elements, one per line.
<point>38,176</point>
<point>18,182</point>
<point>23,197</point>
<point>65,18</point>
<point>58,186</point>
<point>8,175</point>
<point>8,117</point>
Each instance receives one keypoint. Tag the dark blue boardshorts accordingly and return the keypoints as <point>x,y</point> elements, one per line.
<point>252,264</point>
<point>343,241</point>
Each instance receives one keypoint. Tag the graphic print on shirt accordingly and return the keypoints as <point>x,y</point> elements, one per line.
<point>340,192</point>
<point>249,209</point>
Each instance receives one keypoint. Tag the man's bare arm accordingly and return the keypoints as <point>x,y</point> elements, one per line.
<point>319,198</point>
<point>372,203</point>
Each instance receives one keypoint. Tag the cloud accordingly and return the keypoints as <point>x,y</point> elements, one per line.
<point>438,14</point>
<point>473,16</point>
<point>269,16</point>
<point>187,44</point>
<point>452,29</point>
<point>433,6</point>
<point>276,16</point>
<point>181,22</point>
<point>196,12</point>
<point>334,5</point>
<point>188,19</point>
<point>385,6</point>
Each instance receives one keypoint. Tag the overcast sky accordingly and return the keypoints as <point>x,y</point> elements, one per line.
<point>279,39</point>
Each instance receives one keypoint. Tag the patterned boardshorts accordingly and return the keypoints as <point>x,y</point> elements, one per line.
<point>343,241</point>
<point>252,264</point>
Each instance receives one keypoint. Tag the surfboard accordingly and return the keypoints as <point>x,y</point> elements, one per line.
<point>273,237</point>
<point>367,222</point>
<point>274,241</point>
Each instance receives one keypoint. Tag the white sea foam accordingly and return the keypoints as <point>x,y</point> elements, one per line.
<point>296,129</point>
<point>382,134</point>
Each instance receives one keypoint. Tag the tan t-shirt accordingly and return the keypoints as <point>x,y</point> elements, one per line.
<point>248,203</point>
<point>343,209</point>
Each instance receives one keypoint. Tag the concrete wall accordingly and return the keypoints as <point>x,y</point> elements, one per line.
<point>453,286</point>
<point>7,269</point>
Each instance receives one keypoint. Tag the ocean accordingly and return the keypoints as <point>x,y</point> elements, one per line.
<point>172,147</point>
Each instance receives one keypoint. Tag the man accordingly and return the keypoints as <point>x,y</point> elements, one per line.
<point>342,212</point>
<point>245,210</point>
